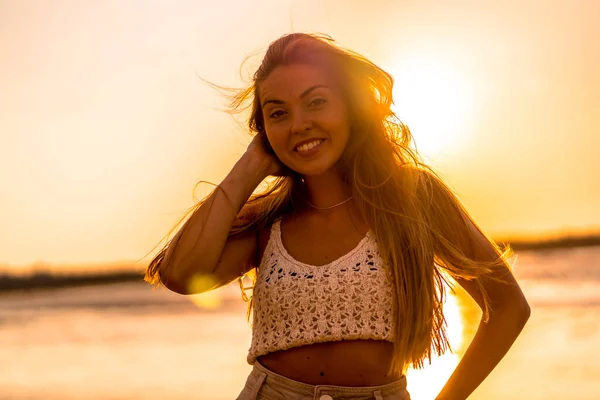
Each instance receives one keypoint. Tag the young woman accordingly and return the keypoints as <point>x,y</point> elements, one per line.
<point>349,247</point>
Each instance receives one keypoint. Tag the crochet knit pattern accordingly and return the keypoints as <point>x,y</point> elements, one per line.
<point>296,304</point>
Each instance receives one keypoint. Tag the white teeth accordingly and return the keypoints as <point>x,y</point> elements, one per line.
<point>308,146</point>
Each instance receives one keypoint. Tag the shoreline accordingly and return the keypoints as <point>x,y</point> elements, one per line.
<point>47,280</point>
<point>43,277</point>
<point>558,243</point>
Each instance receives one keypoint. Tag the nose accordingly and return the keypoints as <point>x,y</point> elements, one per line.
<point>300,122</point>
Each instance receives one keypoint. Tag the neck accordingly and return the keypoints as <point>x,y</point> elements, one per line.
<point>327,189</point>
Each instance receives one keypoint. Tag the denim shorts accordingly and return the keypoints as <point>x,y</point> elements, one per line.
<point>263,384</point>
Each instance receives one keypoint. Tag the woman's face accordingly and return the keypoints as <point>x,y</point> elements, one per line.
<point>305,118</point>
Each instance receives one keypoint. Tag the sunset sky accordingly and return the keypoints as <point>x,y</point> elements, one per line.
<point>105,126</point>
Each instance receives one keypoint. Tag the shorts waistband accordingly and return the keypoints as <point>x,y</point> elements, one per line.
<point>317,390</point>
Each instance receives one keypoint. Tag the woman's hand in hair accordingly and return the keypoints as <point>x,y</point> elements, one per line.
<point>261,152</point>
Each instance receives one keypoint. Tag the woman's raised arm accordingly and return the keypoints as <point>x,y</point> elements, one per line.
<point>202,256</point>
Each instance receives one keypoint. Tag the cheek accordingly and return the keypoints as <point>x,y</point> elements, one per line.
<point>277,138</point>
<point>341,126</point>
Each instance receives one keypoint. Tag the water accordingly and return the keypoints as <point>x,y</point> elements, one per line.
<point>128,341</point>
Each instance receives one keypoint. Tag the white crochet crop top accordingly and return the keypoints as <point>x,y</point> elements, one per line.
<point>297,304</point>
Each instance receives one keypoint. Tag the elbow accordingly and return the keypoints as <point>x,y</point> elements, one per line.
<point>518,312</point>
<point>172,280</point>
<point>170,272</point>
<point>190,281</point>
<point>184,276</point>
<point>525,312</point>
<point>178,277</point>
<point>522,309</point>
<point>171,284</point>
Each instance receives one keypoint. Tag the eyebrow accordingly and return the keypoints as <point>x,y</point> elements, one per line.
<point>304,94</point>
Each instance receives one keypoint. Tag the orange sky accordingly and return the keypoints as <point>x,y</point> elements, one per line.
<point>105,128</point>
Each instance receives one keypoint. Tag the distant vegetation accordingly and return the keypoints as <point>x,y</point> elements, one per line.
<point>41,280</point>
<point>558,243</point>
<point>41,277</point>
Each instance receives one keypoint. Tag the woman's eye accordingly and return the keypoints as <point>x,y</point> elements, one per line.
<point>275,114</point>
<point>317,102</point>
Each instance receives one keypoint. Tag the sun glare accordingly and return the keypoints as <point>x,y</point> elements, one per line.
<point>435,101</point>
<point>428,382</point>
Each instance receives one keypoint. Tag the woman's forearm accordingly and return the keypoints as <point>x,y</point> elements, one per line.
<point>199,243</point>
<point>488,347</point>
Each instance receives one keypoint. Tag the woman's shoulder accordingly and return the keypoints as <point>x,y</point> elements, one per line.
<point>265,232</point>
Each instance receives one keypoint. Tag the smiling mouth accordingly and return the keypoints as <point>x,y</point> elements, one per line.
<point>308,146</point>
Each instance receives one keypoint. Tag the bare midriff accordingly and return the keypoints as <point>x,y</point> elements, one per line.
<point>341,363</point>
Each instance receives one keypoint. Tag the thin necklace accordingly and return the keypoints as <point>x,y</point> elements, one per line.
<point>333,206</point>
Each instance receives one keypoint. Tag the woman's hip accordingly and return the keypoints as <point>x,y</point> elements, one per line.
<point>263,384</point>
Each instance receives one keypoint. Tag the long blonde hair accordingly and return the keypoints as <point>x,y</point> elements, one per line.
<point>421,227</point>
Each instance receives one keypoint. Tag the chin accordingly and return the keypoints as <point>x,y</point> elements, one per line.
<point>313,170</point>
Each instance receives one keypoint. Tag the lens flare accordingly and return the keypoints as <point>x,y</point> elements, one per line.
<point>210,299</point>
